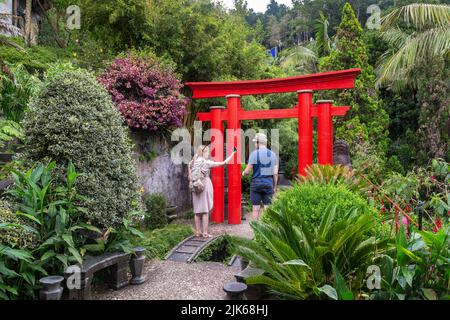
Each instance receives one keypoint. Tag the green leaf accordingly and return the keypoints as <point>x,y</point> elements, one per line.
<point>29,216</point>
<point>88,227</point>
<point>340,285</point>
<point>48,255</point>
<point>429,294</point>
<point>136,232</point>
<point>38,268</point>
<point>75,254</point>
<point>6,271</point>
<point>296,262</point>
<point>29,278</point>
<point>68,239</point>
<point>63,259</point>
<point>99,247</point>
<point>329,291</point>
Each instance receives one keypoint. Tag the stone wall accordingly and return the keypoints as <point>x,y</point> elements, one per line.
<point>157,173</point>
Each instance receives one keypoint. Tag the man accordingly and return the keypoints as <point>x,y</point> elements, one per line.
<point>264,164</point>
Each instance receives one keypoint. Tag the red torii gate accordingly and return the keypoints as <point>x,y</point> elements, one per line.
<point>234,114</point>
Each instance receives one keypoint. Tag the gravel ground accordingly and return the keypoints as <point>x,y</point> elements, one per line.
<point>168,280</point>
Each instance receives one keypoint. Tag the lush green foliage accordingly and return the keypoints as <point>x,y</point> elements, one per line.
<point>155,214</point>
<point>425,187</point>
<point>9,130</point>
<point>365,127</point>
<point>16,90</point>
<point>48,214</point>
<point>300,260</point>
<point>159,242</point>
<point>310,200</point>
<point>419,269</point>
<point>220,250</point>
<point>53,211</point>
<point>48,232</point>
<point>416,33</point>
<point>35,58</point>
<point>73,119</point>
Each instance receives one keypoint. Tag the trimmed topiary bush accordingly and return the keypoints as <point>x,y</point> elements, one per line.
<point>73,119</point>
<point>155,216</point>
<point>311,200</point>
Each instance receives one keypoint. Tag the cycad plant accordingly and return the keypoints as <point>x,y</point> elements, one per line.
<point>416,33</point>
<point>302,262</point>
<point>335,175</point>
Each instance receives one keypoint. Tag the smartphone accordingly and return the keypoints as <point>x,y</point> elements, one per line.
<point>234,149</point>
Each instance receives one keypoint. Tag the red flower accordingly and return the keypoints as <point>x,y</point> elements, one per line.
<point>408,208</point>
<point>438,225</point>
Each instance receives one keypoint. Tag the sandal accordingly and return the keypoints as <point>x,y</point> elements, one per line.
<point>206,235</point>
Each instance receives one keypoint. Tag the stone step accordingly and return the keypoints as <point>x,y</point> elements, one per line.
<point>187,249</point>
<point>248,272</point>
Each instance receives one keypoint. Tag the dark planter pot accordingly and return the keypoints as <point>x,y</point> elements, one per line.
<point>137,266</point>
<point>51,288</point>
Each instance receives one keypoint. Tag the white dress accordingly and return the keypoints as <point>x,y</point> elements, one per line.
<point>203,202</point>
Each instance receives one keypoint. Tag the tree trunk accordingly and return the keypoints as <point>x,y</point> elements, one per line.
<point>28,10</point>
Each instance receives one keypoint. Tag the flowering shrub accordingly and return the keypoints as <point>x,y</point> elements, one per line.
<point>146,94</point>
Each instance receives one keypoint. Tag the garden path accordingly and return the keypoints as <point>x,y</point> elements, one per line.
<point>169,280</point>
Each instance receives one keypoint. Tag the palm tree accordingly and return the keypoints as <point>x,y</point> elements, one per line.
<point>416,33</point>
<point>322,38</point>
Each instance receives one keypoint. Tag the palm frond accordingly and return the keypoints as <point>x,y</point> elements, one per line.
<point>396,37</point>
<point>395,66</point>
<point>420,15</point>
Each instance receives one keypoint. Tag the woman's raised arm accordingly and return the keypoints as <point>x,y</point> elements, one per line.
<point>213,164</point>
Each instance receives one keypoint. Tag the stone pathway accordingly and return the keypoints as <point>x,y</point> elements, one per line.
<point>169,280</point>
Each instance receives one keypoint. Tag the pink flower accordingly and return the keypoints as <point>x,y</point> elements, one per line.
<point>147,95</point>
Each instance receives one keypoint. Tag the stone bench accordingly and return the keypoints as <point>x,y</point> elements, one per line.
<point>117,264</point>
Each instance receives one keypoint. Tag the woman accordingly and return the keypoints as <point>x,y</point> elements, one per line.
<point>203,201</point>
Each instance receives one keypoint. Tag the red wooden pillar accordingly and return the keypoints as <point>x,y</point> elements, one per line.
<point>234,168</point>
<point>217,174</point>
<point>305,131</point>
<point>325,128</point>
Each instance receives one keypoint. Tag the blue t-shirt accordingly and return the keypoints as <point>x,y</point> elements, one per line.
<point>263,161</point>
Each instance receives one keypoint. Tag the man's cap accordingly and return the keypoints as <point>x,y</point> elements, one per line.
<point>261,138</point>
